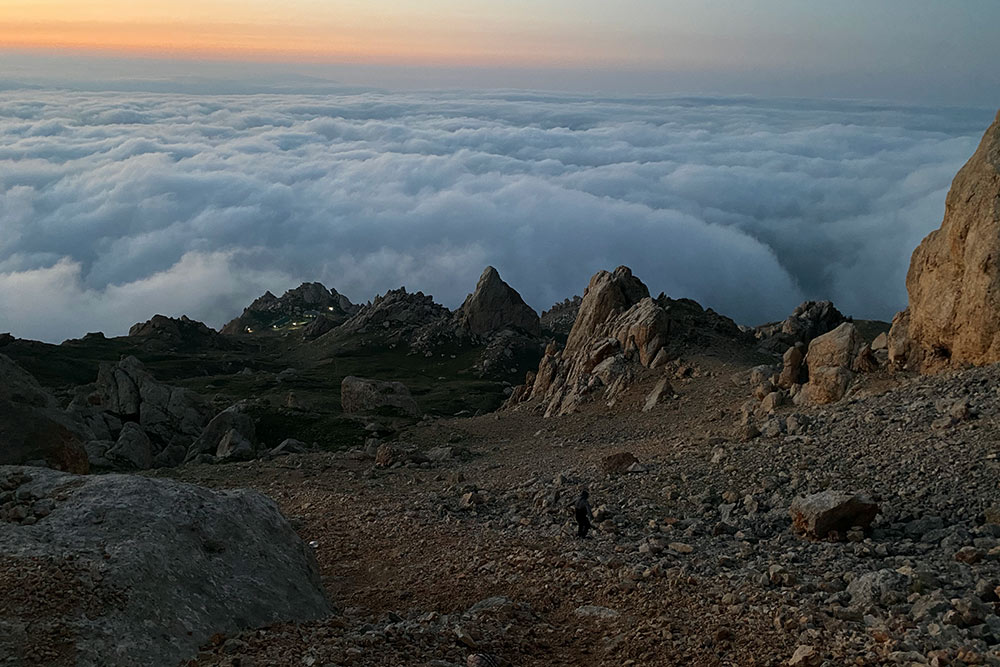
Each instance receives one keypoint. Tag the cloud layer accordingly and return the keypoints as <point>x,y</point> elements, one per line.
<point>115,206</point>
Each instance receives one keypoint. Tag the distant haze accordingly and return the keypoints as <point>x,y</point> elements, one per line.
<point>119,205</point>
<point>926,50</point>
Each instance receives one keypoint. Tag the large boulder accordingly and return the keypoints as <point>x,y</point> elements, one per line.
<point>364,395</point>
<point>831,514</point>
<point>954,277</point>
<point>154,568</point>
<point>831,360</point>
<point>33,428</point>
<point>231,434</point>
<point>495,305</point>
<point>133,448</point>
<point>19,386</point>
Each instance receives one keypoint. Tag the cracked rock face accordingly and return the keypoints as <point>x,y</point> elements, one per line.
<point>954,277</point>
<point>617,324</point>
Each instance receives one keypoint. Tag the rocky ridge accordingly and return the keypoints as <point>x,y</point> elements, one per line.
<point>619,330</point>
<point>305,302</point>
<point>168,332</point>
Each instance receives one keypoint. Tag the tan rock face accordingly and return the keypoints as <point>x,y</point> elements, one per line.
<point>495,305</point>
<point>791,367</point>
<point>618,324</point>
<point>954,277</point>
<point>607,296</point>
<point>831,360</point>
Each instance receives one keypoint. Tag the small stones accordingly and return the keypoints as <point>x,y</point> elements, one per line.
<point>681,548</point>
<point>385,456</point>
<point>969,555</point>
<point>805,656</point>
<point>594,611</point>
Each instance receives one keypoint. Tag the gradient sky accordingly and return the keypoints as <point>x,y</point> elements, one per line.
<point>927,50</point>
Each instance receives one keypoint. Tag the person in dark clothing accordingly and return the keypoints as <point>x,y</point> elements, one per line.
<point>583,514</point>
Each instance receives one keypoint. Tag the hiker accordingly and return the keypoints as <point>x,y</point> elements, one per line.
<point>583,514</point>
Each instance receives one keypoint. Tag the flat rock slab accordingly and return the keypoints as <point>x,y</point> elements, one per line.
<point>124,570</point>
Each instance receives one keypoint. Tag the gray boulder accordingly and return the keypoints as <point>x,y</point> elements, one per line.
<point>154,568</point>
<point>233,418</point>
<point>235,446</point>
<point>875,587</point>
<point>133,448</point>
<point>361,395</point>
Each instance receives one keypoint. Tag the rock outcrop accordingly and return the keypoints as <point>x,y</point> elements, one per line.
<point>169,332</point>
<point>304,303</point>
<point>397,313</point>
<point>619,330</point>
<point>154,568</point>
<point>617,323</point>
<point>560,317</point>
<point>172,415</point>
<point>494,306</point>
<point>33,428</point>
<point>953,282</point>
<point>127,397</point>
<point>809,320</point>
<point>364,395</point>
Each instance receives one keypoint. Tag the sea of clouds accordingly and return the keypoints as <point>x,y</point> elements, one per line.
<point>116,206</point>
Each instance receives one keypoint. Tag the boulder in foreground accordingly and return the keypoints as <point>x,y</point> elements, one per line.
<point>830,514</point>
<point>126,570</point>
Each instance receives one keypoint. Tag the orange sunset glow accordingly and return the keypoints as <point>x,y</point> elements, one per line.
<point>304,31</point>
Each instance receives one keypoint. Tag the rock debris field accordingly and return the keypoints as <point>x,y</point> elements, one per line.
<point>695,560</point>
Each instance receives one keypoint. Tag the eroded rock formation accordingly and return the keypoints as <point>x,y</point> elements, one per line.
<point>953,282</point>
<point>617,322</point>
<point>170,332</point>
<point>495,305</point>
